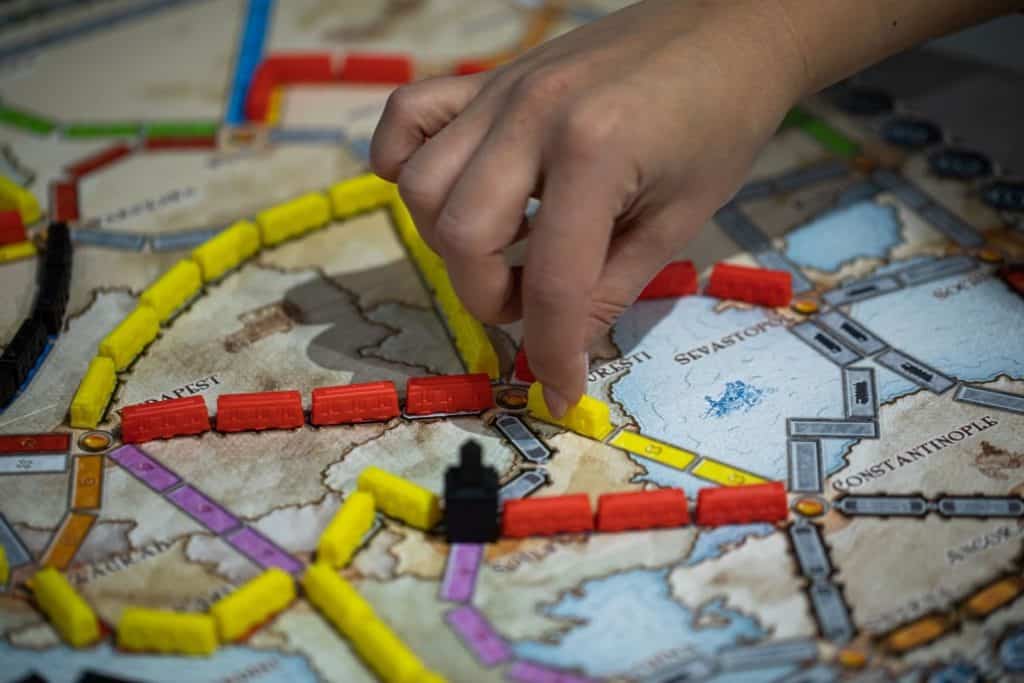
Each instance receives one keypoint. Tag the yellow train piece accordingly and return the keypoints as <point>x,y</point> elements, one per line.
<point>345,532</point>
<point>253,603</point>
<point>335,597</point>
<point>93,395</point>
<point>5,567</point>
<point>590,417</point>
<point>14,197</point>
<point>293,218</point>
<point>400,498</point>
<point>385,652</point>
<point>151,630</point>
<point>128,339</point>
<point>362,193</point>
<point>17,251</point>
<point>173,288</point>
<point>227,249</point>
<point>69,613</point>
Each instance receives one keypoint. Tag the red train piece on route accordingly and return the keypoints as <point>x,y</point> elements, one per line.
<point>12,229</point>
<point>300,67</point>
<point>368,402</point>
<point>678,278</point>
<point>448,394</point>
<point>164,419</point>
<point>376,68</point>
<point>522,367</point>
<point>64,200</point>
<point>753,285</point>
<point>264,410</point>
<point>97,161</point>
<point>642,510</point>
<point>742,504</point>
<point>547,516</point>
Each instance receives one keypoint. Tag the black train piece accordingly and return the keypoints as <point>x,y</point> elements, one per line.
<point>91,676</point>
<point>471,498</point>
<point>23,352</point>
<point>54,278</point>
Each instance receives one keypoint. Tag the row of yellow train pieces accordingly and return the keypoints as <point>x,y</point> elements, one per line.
<point>259,600</point>
<point>243,240</point>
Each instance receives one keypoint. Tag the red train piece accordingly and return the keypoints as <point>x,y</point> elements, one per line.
<point>467,67</point>
<point>547,516</point>
<point>678,278</point>
<point>369,402</point>
<point>642,510</point>
<point>264,410</point>
<point>753,285</point>
<point>522,367</point>
<point>164,419</point>
<point>257,98</point>
<point>742,504</point>
<point>448,394</point>
<point>64,201</point>
<point>12,229</point>
<point>300,67</point>
<point>98,161</point>
<point>376,68</point>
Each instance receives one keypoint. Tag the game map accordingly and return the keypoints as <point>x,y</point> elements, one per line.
<point>889,399</point>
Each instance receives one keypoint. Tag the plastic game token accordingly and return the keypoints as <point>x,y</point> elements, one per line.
<point>95,441</point>
<point>809,507</point>
<point>990,255</point>
<point>513,398</point>
<point>849,658</point>
<point>805,306</point>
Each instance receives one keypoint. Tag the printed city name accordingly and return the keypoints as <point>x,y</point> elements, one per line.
<point>729,340</point>
<point>912,455</point>
<point>195,388</point>
<point>618,365</point>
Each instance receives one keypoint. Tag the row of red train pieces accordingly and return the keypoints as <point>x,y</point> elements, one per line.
<point>760,286</point>
<point>347,404</point>
<point>661,508</point>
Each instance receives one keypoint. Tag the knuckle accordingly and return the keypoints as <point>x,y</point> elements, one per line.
<point>588,126</point>
<point>419,190</point>
<point>542,87</point>
<point>452,237</point>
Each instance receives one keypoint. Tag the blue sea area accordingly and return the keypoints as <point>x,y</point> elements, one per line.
<point>862,230</point>
<point>713,543</point>
<point>971,332</point>
<point>229,663</point>
<point>737,396</point>
<point>631,618</point>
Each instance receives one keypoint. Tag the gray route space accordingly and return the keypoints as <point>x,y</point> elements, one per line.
<point>825,343</point>
<point>975,507</point>
<point>749,658</point>
<point>915,371</point>
<point>742,230</point>
<point>522,485</point>
<point>990,398</point>
<point>852,333</point>
<point>860,398</point>
<point>826,428</point>
<point>805,475</point>
<point>936,215</point>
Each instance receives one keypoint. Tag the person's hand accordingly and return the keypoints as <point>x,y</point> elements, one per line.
<point>631,131</point>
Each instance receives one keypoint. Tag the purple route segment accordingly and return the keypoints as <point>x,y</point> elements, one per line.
<point>479,635</point>
<point>460,572</point>
<point>202,509</point>
<point>262,551</point>
<point>528,672</point>
<point>144,468</point>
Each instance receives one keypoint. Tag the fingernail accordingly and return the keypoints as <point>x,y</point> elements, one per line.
<point>557,404</point>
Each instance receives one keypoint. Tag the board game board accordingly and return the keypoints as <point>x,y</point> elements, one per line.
<point>889,399</point>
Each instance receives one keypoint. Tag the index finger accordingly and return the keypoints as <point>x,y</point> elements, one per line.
<point>565,255</point>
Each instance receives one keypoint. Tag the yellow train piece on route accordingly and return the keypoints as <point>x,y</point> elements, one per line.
<point>253,603</point>
<point>93,395</point>
<point>273,116</point>
<point>918,633</point>
<point>385,652</point>
<point>995,595</point>
<point>471,340</point>
<point>590,417</point>
<point>127,340</point>
<point>335,598</point>
<point>5,567</point>
<point>17,251</point>
<point>723,474</point>
<point>645,446</point>
<point>151,630</point>
<point>172,289</point>
<point>14,197</point>
<point>400,498</point>
<point>345,532</point>
<point>69,613</point>
<point>293,218</point>
<point>362,193</point>
<point>227,249</point>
